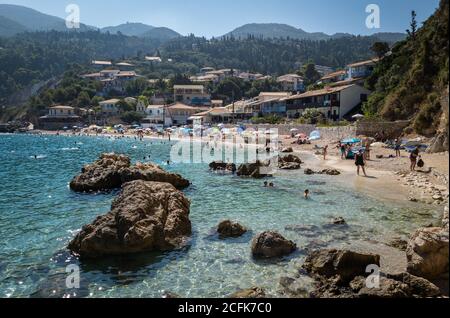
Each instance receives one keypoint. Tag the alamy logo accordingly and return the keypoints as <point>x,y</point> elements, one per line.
<point>73,277</point>
<point>73,19</point>
<point>373,21</point>
<point>373,280</point>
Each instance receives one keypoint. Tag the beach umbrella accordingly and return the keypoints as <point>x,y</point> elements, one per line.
<point>351,141</point>
<point>315,135</point>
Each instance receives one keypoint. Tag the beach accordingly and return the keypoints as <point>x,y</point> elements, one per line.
<point>378,211</point>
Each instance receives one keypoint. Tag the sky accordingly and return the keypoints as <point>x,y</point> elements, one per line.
<point>216,17</point>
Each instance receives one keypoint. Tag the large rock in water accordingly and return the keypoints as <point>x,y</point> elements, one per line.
<point>110,171</point>
<point>271,244</point>
<point>222,166</point>
<point>342,274</point>
<point>253,170</point>
<point>146,216</point>
<point>289,162</point>
<point>343,264</point>
<point>428,253</point>
<point>230,229</point>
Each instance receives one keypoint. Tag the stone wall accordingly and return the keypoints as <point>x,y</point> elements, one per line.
<point>389,129</point>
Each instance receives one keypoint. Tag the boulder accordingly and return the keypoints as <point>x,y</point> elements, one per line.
<point>146,216</point>
<point>428,253</point>
<point>252,170</point>
<point>343,264</point>
<point>222,166</point>
<point>271,244</point>
<point>338,221</point>
<point>230,229</point>
<point>289,162</point>
<point>330,172</point>
<point>341,274</point>
<point>152,172</point>
<point>101,175</point>
<point>251,293</point>
<point>110,171</point>
<point>398,243</point>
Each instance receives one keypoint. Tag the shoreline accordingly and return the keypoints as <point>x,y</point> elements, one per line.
<point>386,179</point>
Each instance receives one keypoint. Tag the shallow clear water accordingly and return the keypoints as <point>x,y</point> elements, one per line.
<point>39,215</point>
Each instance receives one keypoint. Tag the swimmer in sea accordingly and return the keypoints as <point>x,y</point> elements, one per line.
<point>266,184</point>
<point>271,185</point>
<point>306,194</point>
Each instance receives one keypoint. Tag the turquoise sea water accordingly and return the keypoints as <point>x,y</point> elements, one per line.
<point>39,215</point>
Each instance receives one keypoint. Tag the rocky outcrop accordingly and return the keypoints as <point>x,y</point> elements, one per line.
<point>110,171</point>
<point>271,244</point>
<point>289,162</point>
<point>146,216</point>
<point>251,293</point>
<point>343,265</point>
<point>330,172</point>
<point>253,170</point>
<point>428,253</point>
<point>230,229</point>
<point>287,150</point>
<point>338,221</point>
<point>222,166</point>
<point>342,274</point>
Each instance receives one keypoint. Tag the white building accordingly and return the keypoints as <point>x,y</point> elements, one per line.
<point>194,95</point>
<point>291,83</point>
<point>110,107</point>
<point>333,102</point>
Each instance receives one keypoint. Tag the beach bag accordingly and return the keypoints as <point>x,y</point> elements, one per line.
<point>420,163</point>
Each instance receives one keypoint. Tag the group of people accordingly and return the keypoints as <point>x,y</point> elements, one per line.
<point>272,185</point>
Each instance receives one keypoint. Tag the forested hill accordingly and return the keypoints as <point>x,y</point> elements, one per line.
<point>32,57</point>
<point>267,56</point>
<point>410,83</point>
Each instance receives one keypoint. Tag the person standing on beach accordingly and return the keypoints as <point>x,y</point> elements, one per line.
<point>360,162</point>
<point>413,158</point>
<point>397,148</point>
<point>343,149</point>
<point>325,152</point>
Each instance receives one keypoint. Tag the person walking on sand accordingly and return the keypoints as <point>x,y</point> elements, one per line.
<point>325,152</point>
<point>360,162</point>
<point>413,158</point>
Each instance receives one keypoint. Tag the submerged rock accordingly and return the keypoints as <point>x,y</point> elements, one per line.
<point>222,166</point>
<point>146,216</point>
<point>250,293</point>
<point>428,253</point>
<point>271,244</point>
<point>230,229</point>
<point>110,171</point>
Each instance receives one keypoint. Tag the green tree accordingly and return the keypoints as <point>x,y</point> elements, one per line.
<point>380,48</point>
<point>131,117</point>
<point>413,31</point>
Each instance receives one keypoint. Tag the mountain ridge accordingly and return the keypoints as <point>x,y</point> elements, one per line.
<point>33,20</point>
<point>281,30</point>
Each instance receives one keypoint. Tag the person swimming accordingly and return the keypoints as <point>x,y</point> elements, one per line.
<point>271,185</point>
<point>266,184</point>
<point>306,194</point>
